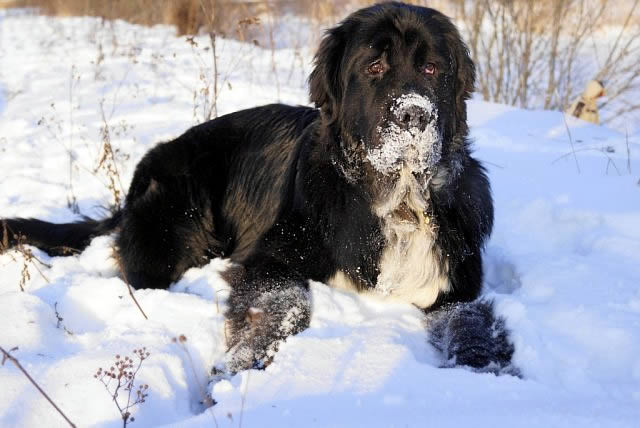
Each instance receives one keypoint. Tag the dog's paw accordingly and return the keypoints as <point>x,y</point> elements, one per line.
<point>469,334</point>
<point>255,334</point>
<point>251,351</point>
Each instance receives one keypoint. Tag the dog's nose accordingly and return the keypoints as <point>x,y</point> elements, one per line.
<point>412,116</point>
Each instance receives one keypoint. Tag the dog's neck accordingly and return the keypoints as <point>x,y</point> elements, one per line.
<point>412,267</point>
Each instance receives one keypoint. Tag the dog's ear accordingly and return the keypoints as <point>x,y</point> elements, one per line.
<point>465,80</point>
<point>325,85</point>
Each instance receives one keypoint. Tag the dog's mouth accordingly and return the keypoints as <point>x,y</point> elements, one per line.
<point>409,138</point>
<point>404,214</point>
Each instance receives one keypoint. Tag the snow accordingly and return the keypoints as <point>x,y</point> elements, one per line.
<point>562,263</point>
<point>419,147</point>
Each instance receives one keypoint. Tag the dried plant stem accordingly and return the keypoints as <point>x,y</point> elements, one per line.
<point>214,105</point>
<point>610,160</point>
<point>7,356</point>
<point>272,47</point>
<point>206,399</point>
<point>27,255</point>
<point>126,282</point>
<point>59,320</point>
<point>72,201</point>
<point>122,376</point>
<point>210,16</point>
<point>107,162</point>
<point>511,41</point>
<point>573,149</point>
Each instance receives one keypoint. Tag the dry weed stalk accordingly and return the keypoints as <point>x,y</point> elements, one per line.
<point>605,151</point>
<point>54,126</point>
<point>211,79</point>
<point>128,284</point>
<point>209,91</point>
<point>120,378</point>
<point>573,148</point>
<point>620,69</point>
<point>526,51</point>
<point>72,201</point>
<point>107,163</point>
<point>532,53</point>
<point>28,258</point>
<point>59,320</point>
<point>207,401</point>
<point>272,44</point>
<point>6,356</point>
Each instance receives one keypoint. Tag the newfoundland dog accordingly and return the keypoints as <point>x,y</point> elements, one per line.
<point>374,191</point>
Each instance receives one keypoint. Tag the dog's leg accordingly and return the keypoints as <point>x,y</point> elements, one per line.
<point>470,334</point>
<point>266,306</point>
<point>167,227</point>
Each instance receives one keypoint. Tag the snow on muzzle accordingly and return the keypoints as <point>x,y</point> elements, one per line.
<point>410,139</point>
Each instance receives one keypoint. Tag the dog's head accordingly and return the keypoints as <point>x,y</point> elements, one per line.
<point>392,81</point>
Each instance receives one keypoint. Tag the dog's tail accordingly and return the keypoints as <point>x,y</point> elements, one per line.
<point>62,239</point>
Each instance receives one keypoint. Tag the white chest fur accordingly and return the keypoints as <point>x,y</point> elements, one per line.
<point>411,266</point>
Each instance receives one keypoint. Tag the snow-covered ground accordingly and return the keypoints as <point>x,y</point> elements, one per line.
<point>562,265</point>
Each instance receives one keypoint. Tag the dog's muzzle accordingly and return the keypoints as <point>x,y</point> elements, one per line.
<point>410,138</point>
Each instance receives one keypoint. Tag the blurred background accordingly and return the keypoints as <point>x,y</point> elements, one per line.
<point>535,54</point>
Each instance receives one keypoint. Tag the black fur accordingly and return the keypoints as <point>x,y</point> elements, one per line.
<point>469,334</point>
<point>286,192</point>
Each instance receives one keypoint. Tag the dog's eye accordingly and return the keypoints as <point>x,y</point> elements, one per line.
<point>430,69</point>
<point>376,68</point>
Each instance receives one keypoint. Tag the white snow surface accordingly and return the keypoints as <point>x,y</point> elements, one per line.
<point>561,266</point>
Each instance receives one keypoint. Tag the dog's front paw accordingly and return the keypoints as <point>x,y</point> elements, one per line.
<point>254,347</point>
<point>254,333</point>
<point>469,334</point>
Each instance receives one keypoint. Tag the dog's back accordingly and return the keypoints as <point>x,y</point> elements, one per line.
<point>211,192</point>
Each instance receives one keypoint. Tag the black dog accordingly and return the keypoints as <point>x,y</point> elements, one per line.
<point>374,191</point>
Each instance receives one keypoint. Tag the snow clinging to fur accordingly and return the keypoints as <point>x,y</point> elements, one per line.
<point>419,149</point>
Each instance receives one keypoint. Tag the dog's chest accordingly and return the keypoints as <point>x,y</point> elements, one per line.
<point>413,269</point>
